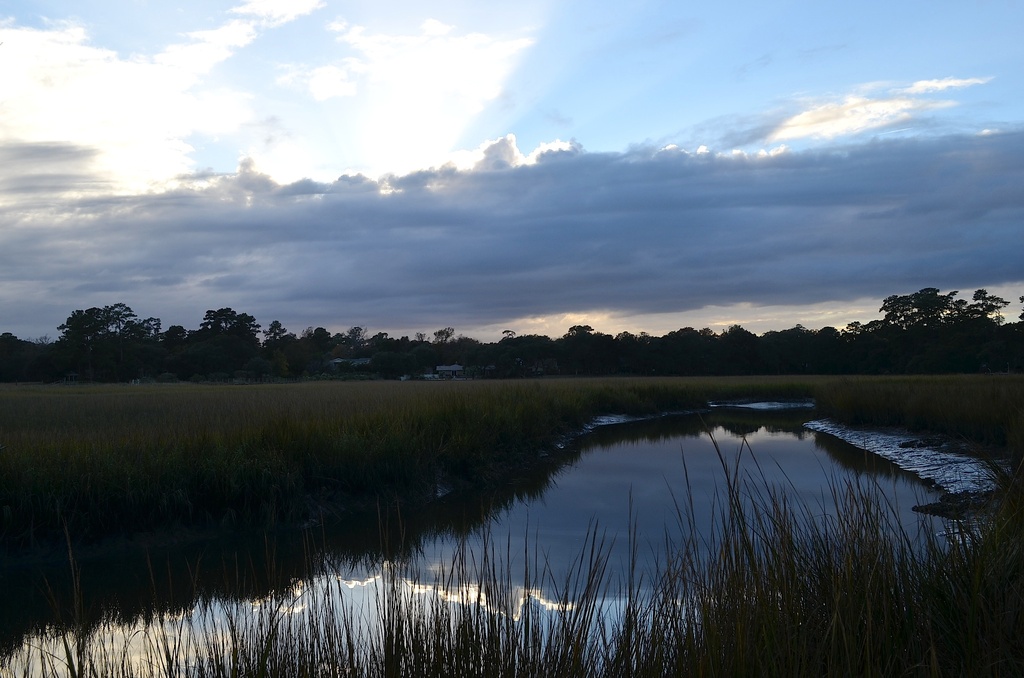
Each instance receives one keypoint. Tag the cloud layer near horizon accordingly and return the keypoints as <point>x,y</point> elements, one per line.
<point>652,231</point>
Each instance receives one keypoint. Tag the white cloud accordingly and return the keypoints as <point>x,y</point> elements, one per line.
<point>854,114</point>
<point>416,93</point>
<point>504,153</point>
<point>928,86</point>
<point>433,27</point>
<point>410,96</point>
<point>137,112</point>
<point>208,48</point>
<point>781,149</point>
<point>851,116</point>
<point>328,82</point>
<point>864,111</point>
<point>436,64</point>
<point>277,12</point>
<point>133,112</point>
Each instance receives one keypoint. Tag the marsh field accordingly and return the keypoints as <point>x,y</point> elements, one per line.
<point>770,570</point>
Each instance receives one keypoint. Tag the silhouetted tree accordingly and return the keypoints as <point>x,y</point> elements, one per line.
<point>925,331</point>
<point>443,336</point>
<point>739,352</point>
<point>110,343</point>
<point>276,337</point>
<point>392,365</point>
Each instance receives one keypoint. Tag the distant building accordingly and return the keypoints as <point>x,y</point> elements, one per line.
<point>448,371</point>
<point>350,362</point>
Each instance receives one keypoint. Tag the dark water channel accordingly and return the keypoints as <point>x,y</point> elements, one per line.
<point>617,480</point>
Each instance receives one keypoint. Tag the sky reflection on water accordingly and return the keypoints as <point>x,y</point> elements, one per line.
<point>636,474</point>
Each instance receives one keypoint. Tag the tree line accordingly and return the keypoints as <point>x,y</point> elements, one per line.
<point>924,332</point>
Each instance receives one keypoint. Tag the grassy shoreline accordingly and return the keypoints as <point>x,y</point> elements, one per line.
<point>112,461</point>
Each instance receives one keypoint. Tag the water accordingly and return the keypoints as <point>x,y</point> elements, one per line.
<point>649,475</point>
<point>630,486</point>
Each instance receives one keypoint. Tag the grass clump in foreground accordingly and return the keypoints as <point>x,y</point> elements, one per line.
<point>776,590</point>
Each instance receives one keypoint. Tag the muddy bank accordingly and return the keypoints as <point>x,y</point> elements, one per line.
<point>964,472</point>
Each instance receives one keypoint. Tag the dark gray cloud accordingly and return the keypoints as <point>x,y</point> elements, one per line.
<point>38,171</point>
<point>637,233</point>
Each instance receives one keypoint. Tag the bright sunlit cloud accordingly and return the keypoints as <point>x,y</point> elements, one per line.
<point>416,93</point>
<point>133,113</point>
<point>504,153</point>
<point>136,112</point>
<point>862,112</point>
<point>851,116</point>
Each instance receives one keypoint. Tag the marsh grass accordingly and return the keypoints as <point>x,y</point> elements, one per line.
<point>104,461</point>
<point>774,589</point>
<point>112,461</point>
<point>984,409</point>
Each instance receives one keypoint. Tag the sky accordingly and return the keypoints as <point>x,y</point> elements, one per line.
<point>409,166</point>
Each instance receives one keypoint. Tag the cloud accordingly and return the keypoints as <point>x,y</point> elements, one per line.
<point>37,173</point>
<point>649,233</point>
<point>436,64</point>
<point>504,153</point>
<point>328,82</point>
<point>410,95</point>
<point>277,12</point>
<point>138,113</point>
<point>851,116</point>
<point>67,91</point>
<point>207,48</point>
<point>865,112</point>
<point>929,86</point>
